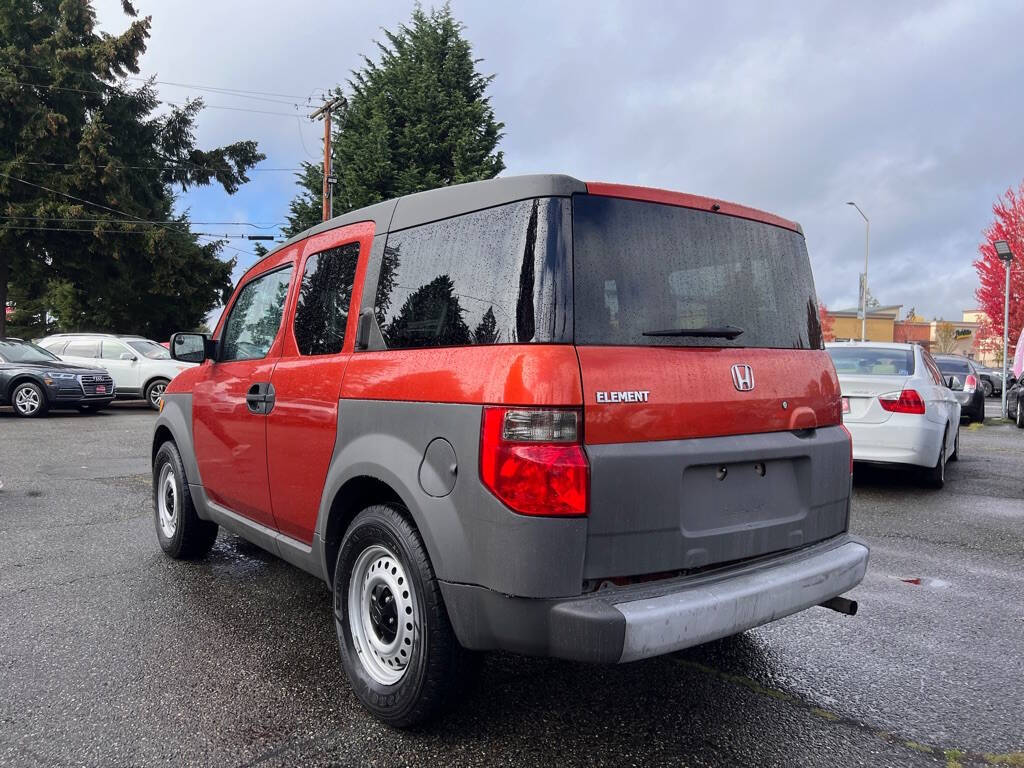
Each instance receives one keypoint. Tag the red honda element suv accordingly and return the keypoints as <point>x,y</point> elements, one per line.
<point>580,420</point>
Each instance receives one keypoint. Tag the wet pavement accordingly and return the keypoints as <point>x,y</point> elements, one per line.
<point>112,654</point>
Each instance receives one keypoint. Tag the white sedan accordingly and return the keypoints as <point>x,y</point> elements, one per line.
<point>897,406</point>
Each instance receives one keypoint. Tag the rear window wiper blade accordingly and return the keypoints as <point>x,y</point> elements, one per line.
<point>708,331</point>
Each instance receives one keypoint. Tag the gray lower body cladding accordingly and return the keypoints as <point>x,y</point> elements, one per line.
<point>632,623</point>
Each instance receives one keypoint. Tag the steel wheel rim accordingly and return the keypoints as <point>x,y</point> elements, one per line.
<point>167,502</point>
<point>378,592</point>
<point>26,400</point>
<point>156,392</point>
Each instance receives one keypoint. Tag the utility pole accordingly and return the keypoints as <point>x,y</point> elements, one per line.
<point>328,191</point>
<point>864,277</point>
<point>1005,254</point>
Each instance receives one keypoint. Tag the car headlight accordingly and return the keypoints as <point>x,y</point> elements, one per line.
<point>59,375</point>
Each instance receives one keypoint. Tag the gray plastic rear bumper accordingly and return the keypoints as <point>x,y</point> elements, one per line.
<point>637,622</point>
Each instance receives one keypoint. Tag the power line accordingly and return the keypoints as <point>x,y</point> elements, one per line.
<point>225,89</point>
<point>79,220</point>
<point>172,164</point>
<point>158,101</point>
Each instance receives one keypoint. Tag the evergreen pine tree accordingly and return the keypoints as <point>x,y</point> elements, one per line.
<point>83,163</point>
<point>417,119</point>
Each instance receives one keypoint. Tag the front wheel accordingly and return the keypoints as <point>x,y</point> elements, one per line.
<point>955,455</point>
<point>397,645</point>
<point>155,391</point>
<point>29,400</point>
<point>1020,414</point>
<point>181,532</point>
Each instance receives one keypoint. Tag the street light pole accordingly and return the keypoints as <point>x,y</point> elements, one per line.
<point>1006,255</point>
<point>864,285</point>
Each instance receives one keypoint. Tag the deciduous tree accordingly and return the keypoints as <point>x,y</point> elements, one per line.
<point>1007,224</point>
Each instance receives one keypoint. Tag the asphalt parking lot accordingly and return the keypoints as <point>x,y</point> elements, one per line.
<point>113,654</point>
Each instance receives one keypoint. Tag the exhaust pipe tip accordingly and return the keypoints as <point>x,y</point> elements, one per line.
<point>841,605</point>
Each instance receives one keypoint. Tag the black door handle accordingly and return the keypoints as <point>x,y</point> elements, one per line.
<point>256,397</point>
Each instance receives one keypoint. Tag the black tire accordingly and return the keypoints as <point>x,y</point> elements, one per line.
<point>437,667</point>
<point>29,400</point>
<point>955,455</point>
<point>1020,414</point>
<point>986,387</point>
<point>936,476</point>
<point>186,536</point>
<point>154,391</point>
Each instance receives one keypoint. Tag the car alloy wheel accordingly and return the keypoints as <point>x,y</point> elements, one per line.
<point>27,400</point>
<point>156,391</point>
<point>381,614</point>
<point>167,502</point>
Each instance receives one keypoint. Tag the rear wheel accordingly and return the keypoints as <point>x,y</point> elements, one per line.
<point>181,532</point>
<point>397,645</point>
<point>1020,414</point>
<point>936,476</point>
<point>29,400</point>
<point>986,386</point>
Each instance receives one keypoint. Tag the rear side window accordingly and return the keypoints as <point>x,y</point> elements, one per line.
<point>873,361</point>
<point>498,276</point>
<point>82,348</point>
<point>645,267</point>
<point>324,297</point>
<point>255,317</point>
<point>56,346</point>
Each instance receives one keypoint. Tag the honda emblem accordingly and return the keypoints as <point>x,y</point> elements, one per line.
<point>743,377</point>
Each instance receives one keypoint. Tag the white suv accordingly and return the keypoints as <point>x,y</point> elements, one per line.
<point>141,368</point>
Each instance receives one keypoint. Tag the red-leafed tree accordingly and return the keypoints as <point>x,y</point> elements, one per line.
<point>827,322</point>
<point>1007,225</point>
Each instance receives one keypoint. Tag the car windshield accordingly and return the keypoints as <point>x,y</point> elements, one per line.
<point>872,361</point>
<point>23,352</point>
<point>150,349</point>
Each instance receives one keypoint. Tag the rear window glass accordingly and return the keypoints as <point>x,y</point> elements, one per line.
<point>953,366</point>
<point>644,267</point>
<point>497,276</point>
<point>873,361</point>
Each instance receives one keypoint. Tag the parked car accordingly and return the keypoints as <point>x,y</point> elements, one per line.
<point>141,368</point>
<point>992,380</point>
<point>33,381</point>
<point>897,406</point>
<point>1015,404</point>
<point>587,421</point>
<point>966,385</point>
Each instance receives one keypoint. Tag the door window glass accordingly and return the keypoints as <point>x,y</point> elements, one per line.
<point>82,348</point>
<point>113,351</point>
<point>255,317</point>
<point>324,297</point>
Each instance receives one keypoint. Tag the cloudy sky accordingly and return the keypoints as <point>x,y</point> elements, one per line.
<point>914,109</point>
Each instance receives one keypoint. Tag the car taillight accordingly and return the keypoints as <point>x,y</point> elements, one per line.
<point>907,401</point>
<point>971,383</point>
<point>849,437</point>
<point>533,460</point>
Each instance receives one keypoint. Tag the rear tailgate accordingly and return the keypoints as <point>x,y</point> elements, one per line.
<point>861,395</point>
<point>702,450</point>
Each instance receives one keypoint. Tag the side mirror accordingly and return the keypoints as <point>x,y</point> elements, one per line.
<point>954,383</point>
<point>128,356</point>
<point>191,347</point>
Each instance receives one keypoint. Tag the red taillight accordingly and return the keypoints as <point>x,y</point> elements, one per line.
<point>970,383</point>
<point>533,460</point>
<point>907,401</point>
<point>849,437</point>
